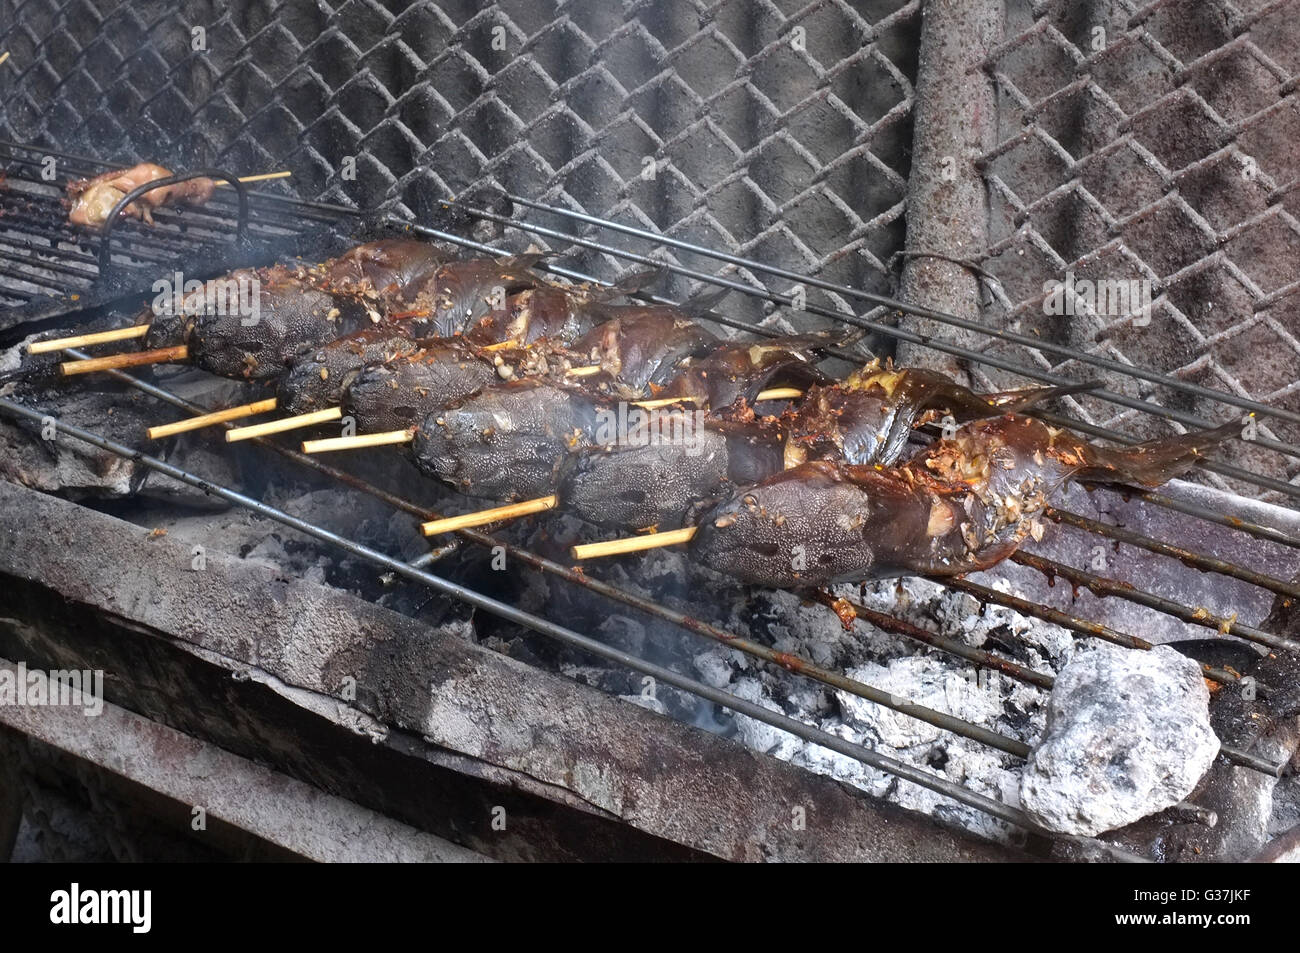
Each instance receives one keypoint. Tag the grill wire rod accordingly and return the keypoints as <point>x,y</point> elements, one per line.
<point>574,639</point>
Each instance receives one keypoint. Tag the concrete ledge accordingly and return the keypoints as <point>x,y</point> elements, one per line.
<point>584,774</point>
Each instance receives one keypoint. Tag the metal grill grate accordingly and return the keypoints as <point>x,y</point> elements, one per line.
<point>798,666</point>
<point>50,267</point>
<point>1155,142</point>
<point>779,130</point>
<point>765,153</point>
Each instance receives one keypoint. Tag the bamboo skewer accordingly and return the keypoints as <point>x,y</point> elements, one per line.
<point>85,340</point>
<point>162,355</point>
<point>296,422</point>
<point>216,417</point>
<point>285,423</point>
<point>359,441</point>
<point>666,402</point>
<point>633,544</point>
<point>4,56</point>
<point>484,517</point>
<point>775,393</point>
<point>588,371</point>
<point>257,178</point>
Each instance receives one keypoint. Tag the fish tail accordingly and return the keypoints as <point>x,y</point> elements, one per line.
<point>1156,461</point>
<point>1018,401</point>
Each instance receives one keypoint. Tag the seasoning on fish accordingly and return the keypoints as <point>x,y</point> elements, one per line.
<point>962,505</point>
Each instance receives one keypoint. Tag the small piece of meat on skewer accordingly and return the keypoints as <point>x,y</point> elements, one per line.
<point>962,505</point>
<point>93,199</point>
<point>398,394</point>
<point>505,443</point>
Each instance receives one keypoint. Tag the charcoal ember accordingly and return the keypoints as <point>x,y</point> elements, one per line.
<point>63,464</point>
<point>291,318</point>
<point>399,394</point>
<point>505,443</point>
<point>318,378</point>
<point>1128,734</point>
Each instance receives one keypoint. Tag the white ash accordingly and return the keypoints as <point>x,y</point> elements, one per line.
<point>1128,734</point>
<point>904,668</point>
<point>787,623</point>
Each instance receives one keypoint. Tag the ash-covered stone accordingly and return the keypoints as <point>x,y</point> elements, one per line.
<point>891,663</point>
<point>1128,734</point>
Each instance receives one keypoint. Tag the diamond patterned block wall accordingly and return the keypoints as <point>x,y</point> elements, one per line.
<point>779,130</point>
<point>1155,142</point>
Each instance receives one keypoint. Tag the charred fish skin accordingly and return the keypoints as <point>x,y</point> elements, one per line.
<point>171,322</point>
<point>377,275</point>
<point>544,313</point>
<point>643,346</point>
<point>964,504</point>
<point>634,488</point>
<point>398,394</point>
<point>822,523</point>
<point>319,378</point>
<point>836,423</point>
<point>801,527</point>
<point>505,443</point>
<point>737,370</point>
<point>391,270</point>
<point>661,483</point>
<point>460,294</point>
<point>868,418</point>
<point>290,320</point>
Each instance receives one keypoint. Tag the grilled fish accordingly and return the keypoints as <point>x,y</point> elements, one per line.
<point>506,442</point>
<point>868,417</point>
<point>962,505</point>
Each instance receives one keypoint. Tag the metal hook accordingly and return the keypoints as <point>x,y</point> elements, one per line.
<point>106,230</point>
